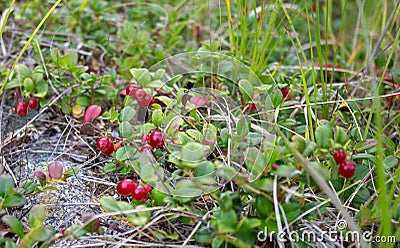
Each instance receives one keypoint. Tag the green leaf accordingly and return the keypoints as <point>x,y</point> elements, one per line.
<point>127,114</point>
<point>14,224</point>
<point>285,171</point>
<point>139,218</point>
<point>227,221</point>
<point>125,152</point>
<point>136,218</point>
<point>203,235</point>
<point>187,188</point>
<point>6,183</point>
<point>292,210</point>
<point>22,70</point>
<point>37,216</point>
<point>14,200</point>
<point>142,76</point>
<point>84,100</point>
<point>109,204</point>
<point>246,89</point>
<point>391,161</point>
<point>323,135</point>
<point>125,129</point>
<point>264,184</point>
<point>155,84</point>
<point>159,74</point>
<point>29,85</point>
<point>13,84</point>
<point>157,117</point>
<point>204,168</point>
<point>242,128</point>
<point>42,88</point>
<point>264,207</point>
<point>192,153</point>
<point>256,163</point>
<point>341,136</point>
<point>37,234</point>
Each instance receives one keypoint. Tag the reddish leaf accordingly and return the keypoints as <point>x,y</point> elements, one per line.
<point>92,112</point>
<point>55,170</point>
<point>198,101</point>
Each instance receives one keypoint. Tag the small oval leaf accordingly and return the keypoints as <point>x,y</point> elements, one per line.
<point>55,170</point>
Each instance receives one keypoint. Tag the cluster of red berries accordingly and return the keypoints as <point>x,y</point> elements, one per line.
<point>346,168</point>
<point>127,187</point>
<point>22,106</point>
<point>106,145</point>
<point>154,139</point>
<point>140,95</point>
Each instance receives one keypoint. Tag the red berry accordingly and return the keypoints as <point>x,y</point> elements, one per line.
<point>139,193</point>
<point>140,94</point>
<point>105,145</point>
<point>144,101</point>
<point>347,169</point>
<point>21,108</point>
<point>148,188</point>
<point>146,147</point>
<point>33,103</point>
<point>339,156</point>
<point>252,107</point>
<point>131,90</point>
<point>156,139</point>
<point>125,187</point>
<point>285,92</point>
<point>274,166</point>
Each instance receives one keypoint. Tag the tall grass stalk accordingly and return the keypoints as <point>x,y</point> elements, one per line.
<point>28,43</point>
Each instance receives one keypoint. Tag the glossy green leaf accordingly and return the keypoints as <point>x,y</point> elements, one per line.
<point>6,183</point>
<point>127,114</point>
<point>14,224</point>
<point>37,216</point>
<point>246,88</point>
<point>125,129</point>
<point>125,152</point>
<point>323,135</point>
<point>157,117</point>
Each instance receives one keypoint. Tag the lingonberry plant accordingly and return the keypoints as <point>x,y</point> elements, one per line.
<point>223,130</point>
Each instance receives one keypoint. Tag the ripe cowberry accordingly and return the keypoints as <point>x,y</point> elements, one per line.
<point>285,92</point>
<point>347,169</point>
<point>145,101</point>
<point>140,94</point>
<point>131,90</point>
<point>139,193</point>
<point>339,156</point>
<point>156,139</point>
<point>252,107</point>
<point>105,145</point>
<point>125,187</point>
<point>21,108</point>
<point>33,103</point>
